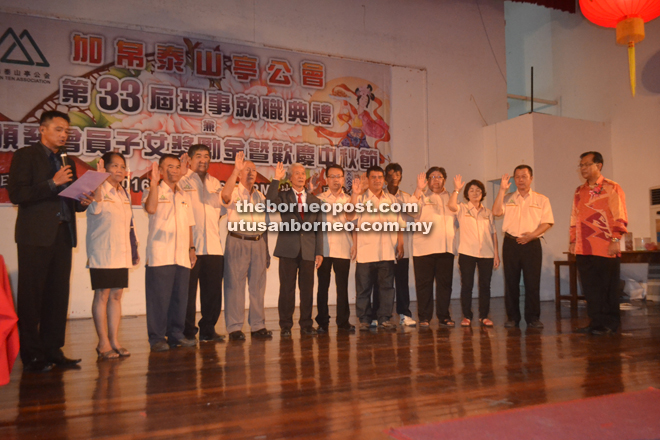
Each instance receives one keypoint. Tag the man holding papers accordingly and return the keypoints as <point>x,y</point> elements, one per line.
<point>45,235</point>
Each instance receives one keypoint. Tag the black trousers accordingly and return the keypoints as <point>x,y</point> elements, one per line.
<point>402,290</point>
<point>527,258</point>
<point>341,267</point>
<point>292,269</point>
<point>367,276</point>
<point>467,265</point>
<point>43,296</point>
<point>429,268</point>
<point>208,272</point>
<point>599,278</point>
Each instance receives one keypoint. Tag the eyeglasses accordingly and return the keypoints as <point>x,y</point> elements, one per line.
<point>334,176</point>
<point>585,165</point>
<point>436,178</point>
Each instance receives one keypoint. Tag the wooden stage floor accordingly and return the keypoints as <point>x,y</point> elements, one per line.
<point>333,386</point>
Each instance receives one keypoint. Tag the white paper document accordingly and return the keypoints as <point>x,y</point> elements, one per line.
<point>85,183</point>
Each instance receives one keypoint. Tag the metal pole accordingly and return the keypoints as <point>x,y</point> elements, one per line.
<point>532,100</point>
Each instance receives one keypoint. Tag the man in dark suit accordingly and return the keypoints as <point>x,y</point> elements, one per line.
<point>300,251</point>
<point>45,235</point>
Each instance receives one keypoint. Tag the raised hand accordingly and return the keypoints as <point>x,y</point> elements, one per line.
<point>240,163</point>
<point>155,174</point>
<point>458,182</point>
<point>421,181</point>
<point>310,185</point>
<point>185,163</point>
<point>100,166</point>
<point>357,185</point>
<point>505,183</point>
<point>279,171</point>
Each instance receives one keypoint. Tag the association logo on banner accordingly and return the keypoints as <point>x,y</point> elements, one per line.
<point>21,49</point>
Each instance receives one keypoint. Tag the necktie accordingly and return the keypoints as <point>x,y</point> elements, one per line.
<point>300,206</point>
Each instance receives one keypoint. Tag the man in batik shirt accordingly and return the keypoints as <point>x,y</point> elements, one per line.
<point>598,220</point>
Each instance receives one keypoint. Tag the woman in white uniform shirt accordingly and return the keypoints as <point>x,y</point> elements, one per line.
<point>477,247</point>
<point>109,253</point>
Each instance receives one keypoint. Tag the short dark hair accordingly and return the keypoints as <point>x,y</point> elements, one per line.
<point>393,166</point>
<point>167,156</point>
<point>335,166</point>
<point>523,167</point>
<point>598,158</point>
<point>375,168</point>
<point>48,116</point>
<point>436,169</point>
<point>474,182</point>
<point>197,147</point>
<point>107,157</point>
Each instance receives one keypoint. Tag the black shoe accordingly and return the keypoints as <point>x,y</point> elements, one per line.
<point>510,324</point>
<point>311,331</point>
<point>237,336</point>
<point>584,330</point>
<point>37,366</point>
<point>602,331</point>
<point>322,330</point>
<point>350,328</point>
<point>214,337</point>
<point>535,324</point>
<point>286,333</point>
<point>262,334</point>
<point>63,361</point>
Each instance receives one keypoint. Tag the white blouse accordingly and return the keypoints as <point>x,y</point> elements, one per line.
<point>108,230</point>
<point>442,237</point>
<point>475,231</point>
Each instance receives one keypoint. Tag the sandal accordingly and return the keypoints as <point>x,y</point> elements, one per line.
<point>106,355</point>
<point>122,352</point>
<point>447,323</point>
<point>465,322</point>
<point>424,324</point>
<point>486,322</point>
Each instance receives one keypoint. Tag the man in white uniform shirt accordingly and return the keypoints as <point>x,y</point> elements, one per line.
<point>376,251</point>
<point>203,191</point>
<point>246,253</point>
<point>336,254</point>
<point>393,175</point>
<point>527,215</point>
<point>434,253</point>
<point>170,255</point>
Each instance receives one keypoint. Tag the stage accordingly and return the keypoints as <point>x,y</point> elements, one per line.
<point>338,385</point>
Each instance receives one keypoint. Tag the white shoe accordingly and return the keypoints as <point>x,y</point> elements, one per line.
<point>374,323</point>
<point>407,321</point>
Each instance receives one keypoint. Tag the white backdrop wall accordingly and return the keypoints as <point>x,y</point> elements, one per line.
<point>580,65</point>
<point>551,145</point>
<point>448,77</point>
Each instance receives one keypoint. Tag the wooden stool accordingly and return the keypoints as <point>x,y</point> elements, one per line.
<point>572,274</point>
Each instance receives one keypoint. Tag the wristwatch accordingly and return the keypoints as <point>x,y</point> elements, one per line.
<point>192,248</point>
<point>615,240</point>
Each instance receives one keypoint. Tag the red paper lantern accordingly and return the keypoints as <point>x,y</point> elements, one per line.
<point>628,17</point>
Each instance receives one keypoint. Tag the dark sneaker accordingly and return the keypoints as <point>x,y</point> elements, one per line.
<point>214,337</point>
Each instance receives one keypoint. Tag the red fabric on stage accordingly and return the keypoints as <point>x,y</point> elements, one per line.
<point>9,345</point>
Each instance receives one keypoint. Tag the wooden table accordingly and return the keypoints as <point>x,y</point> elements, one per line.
<point>626,257</point>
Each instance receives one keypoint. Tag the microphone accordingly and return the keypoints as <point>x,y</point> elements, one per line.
<point>64,156</point>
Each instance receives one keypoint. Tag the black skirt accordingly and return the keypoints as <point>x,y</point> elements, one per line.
<point>109,278</point>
